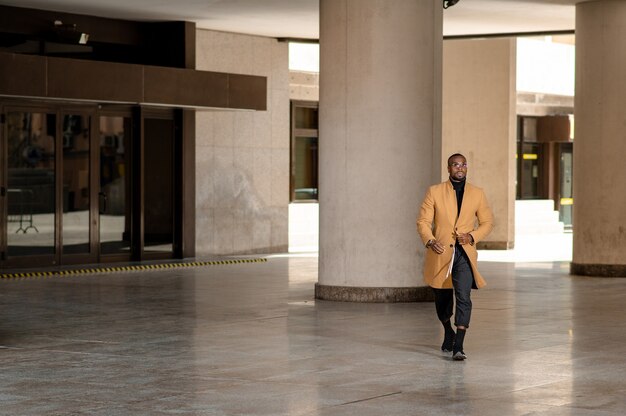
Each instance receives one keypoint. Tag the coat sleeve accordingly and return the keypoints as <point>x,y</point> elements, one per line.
<point>426,217</point>
<point>485,219</point>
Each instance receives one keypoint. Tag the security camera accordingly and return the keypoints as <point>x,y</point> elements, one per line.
<point>449,3</point>
<point>67,32</point>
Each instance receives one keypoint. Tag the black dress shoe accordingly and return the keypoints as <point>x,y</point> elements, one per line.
<point>448,342</point>
<point>459,356</point>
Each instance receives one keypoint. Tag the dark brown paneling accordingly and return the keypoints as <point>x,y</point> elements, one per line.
<point>553,129</point>
<point>247,91</point>
<point>75,79</point>
<point>189,183</point>
<point>100,81</point>
<point>185,87</point>
<point>136,184</point>
<point>159,177</point>
<point>22,75</point>
<point>190,45</point>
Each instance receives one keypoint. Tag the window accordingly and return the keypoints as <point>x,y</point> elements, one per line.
<point>529,161</point>
<point>304,151</point>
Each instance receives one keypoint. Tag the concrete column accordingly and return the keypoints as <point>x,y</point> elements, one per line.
<point>600,139</point>
<point>479,121</point>
<point>380,144</point>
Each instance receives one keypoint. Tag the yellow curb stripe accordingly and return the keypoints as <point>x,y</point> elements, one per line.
<point>77,272</point>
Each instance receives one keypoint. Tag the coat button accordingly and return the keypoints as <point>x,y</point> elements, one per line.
<point>451,245</point>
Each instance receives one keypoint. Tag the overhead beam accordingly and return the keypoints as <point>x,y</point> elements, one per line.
<point>74,79</point>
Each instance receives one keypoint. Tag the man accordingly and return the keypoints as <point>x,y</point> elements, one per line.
<point>447,226</point>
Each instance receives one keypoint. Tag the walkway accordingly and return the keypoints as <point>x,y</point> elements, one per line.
<point>249,339</point>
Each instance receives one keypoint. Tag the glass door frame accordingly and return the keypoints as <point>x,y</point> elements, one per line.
<point>59,110</point>
<point>142,113</point>
<point>94,249</point>
<point>39,260</point>
<point>126,111</point>
<point>137,115</point>
<point>137,178</point>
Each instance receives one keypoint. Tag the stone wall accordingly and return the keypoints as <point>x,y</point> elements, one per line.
<point>242,157</point>
<point>479,113</point>
<point>304,86</point>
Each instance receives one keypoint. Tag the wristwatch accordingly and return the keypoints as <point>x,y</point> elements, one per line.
<point>429,243</point>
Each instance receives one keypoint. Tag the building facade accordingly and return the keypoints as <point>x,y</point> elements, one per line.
<point>159,140</point>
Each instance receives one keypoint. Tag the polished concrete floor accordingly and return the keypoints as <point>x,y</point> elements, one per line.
<point>249,339</point>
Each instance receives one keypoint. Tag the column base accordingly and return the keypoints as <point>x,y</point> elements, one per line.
<point>374,294</point>
<point>598,270</point>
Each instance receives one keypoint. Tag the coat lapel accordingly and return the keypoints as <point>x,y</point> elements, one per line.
<point>450,203</point>
<point>468,199</point>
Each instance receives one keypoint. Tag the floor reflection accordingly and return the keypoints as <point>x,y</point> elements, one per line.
<point>249,339</point>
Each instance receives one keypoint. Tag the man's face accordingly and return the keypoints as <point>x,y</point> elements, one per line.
<point>457,168</point>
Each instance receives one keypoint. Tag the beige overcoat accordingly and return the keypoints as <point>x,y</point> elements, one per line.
<point>438,220</point>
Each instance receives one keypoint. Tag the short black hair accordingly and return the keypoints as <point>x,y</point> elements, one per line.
<point>455,155</point>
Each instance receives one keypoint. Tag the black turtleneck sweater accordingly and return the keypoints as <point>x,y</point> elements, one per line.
<point>459,188</point>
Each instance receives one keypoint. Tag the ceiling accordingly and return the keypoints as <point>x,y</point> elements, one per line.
<point>299,18</point>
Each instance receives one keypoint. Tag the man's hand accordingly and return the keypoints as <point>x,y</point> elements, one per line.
<point>464,238</point>
<point>437,247</point>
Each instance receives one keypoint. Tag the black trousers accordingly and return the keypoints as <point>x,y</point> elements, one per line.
<point>463,282</point>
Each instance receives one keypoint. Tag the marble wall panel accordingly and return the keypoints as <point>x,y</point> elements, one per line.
<point>263,129</point>
<point>243,157</point>
<point>280,118</point>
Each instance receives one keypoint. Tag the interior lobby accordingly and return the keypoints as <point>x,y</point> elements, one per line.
<point>138,140</point>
